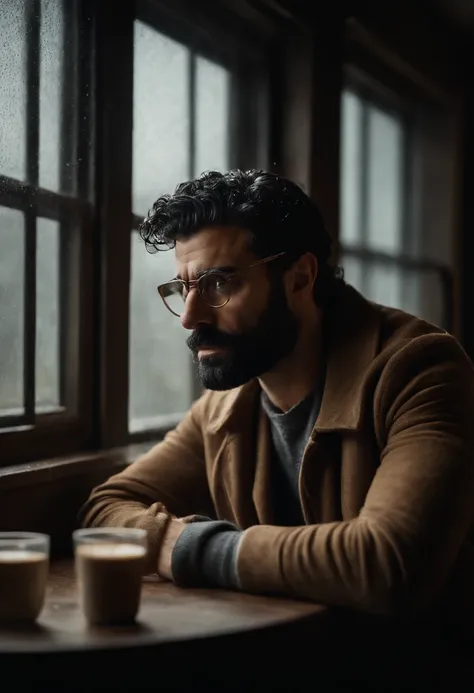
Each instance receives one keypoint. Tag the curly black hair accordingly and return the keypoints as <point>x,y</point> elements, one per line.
<point>277,213</point>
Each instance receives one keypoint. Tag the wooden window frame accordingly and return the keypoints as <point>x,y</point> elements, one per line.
<point>70,426</point>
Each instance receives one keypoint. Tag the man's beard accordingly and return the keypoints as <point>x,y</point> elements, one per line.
<point>250,354</point>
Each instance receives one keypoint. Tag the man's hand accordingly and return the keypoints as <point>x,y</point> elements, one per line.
<point>173,531</point>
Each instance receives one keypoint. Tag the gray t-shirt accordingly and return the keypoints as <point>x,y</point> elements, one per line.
<point>206,552</point>
<point>290,432</point>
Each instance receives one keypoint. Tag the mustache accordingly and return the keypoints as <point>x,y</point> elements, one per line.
<point>208,336</point>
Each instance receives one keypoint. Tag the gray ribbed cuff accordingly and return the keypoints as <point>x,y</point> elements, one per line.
<point>205,555</point>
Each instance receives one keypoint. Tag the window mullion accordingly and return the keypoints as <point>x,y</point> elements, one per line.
<point>196,390</point>
<point>33,18</point>
<point>192,113</point>
<point>364,159</point>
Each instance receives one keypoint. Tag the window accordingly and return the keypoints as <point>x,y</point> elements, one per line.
<point>45,212</point>
<point>100,113</point>
<point>389,249</point>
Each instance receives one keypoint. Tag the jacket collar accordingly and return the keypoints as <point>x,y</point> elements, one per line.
<point>352,342</point>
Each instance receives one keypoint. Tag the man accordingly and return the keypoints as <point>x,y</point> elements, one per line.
<point>331,456</point>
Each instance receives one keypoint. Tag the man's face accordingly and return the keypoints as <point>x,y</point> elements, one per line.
<point>249,335</point>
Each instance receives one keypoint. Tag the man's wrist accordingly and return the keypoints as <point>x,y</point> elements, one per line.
<point>206,555</point>
<point>164,562</point>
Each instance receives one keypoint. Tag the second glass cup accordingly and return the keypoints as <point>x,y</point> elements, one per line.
<point>24,562</point>
<point>110,564</point>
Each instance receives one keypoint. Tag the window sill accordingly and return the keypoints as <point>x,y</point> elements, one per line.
<point>45,471</point>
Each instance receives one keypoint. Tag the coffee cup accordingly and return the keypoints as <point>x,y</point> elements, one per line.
<point>110,563</point>
<point>24,563</point>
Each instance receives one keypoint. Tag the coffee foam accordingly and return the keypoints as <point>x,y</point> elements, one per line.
<point>21,556</point>
<point>110,551</point>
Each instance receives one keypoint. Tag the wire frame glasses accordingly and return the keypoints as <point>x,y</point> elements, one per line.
<point>214,288</point>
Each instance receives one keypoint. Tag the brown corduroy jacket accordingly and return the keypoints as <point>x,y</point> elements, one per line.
<point>386,481</point>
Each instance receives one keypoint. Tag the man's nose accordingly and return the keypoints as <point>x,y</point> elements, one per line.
<point>196,311</point>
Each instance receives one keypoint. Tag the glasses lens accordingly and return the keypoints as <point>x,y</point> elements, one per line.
<point>215,289</point>
<point>173,295</point>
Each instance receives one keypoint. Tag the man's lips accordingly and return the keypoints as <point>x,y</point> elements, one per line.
<point>209,350</point>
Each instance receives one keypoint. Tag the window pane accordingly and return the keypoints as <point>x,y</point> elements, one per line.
<point>351,167</point>
<point>51,85</point>
<point>212,116</point>
<point>418,292</point>
<point>160,116</point>
<point>161,377</point>
<point>384,285</point>
<point>423,296</point>
<point>353,272</point>
<point>12,277</point>
<point>12,88</point>
<point>385,196</point>
<point>377,282</point>
<point>47,315</point>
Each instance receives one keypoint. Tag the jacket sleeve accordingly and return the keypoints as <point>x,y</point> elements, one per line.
<point>169,480</point>
<point>395,557</point>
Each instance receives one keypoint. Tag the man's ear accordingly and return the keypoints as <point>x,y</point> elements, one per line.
<point>304,272</point>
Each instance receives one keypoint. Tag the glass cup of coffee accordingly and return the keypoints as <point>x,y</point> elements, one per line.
<point>24,564</point>
<point>110,563</point>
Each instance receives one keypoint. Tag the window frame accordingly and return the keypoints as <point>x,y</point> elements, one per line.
<point>68,428</point>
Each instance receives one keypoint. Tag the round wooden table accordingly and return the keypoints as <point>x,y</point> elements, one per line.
<point>212,640</point>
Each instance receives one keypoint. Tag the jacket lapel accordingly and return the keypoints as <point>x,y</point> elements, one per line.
<point>242,468</point>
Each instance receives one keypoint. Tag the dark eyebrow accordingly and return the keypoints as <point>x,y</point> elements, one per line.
<point>228,269</point>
